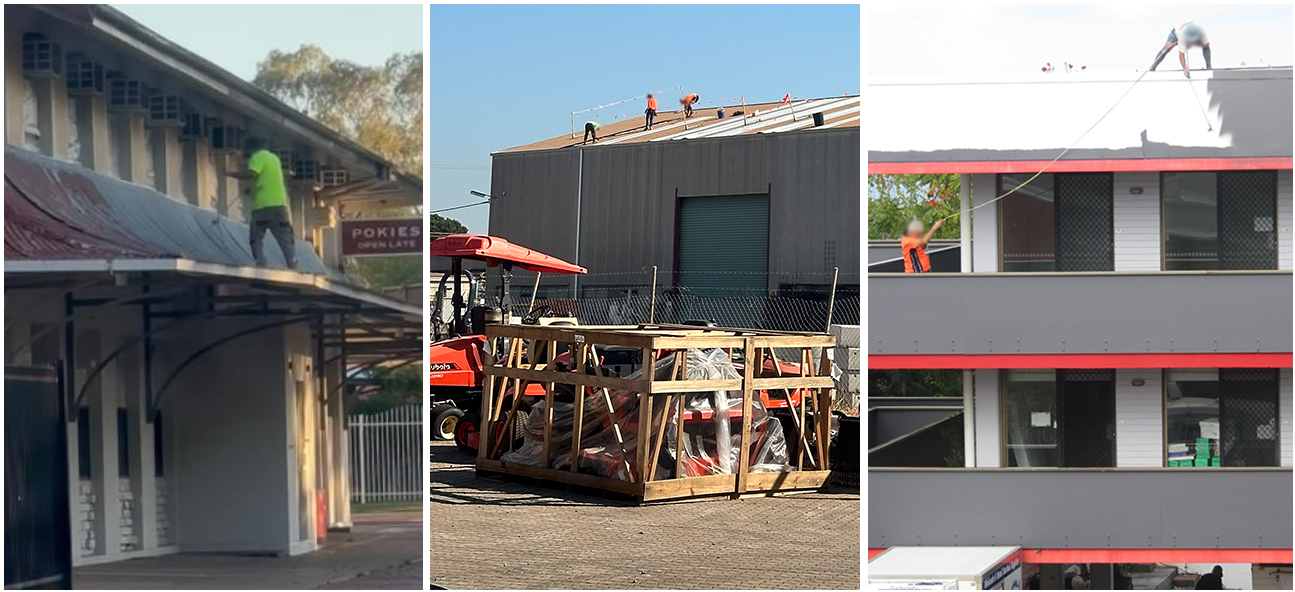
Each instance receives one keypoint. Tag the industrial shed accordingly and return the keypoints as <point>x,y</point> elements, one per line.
<point>765,198</point>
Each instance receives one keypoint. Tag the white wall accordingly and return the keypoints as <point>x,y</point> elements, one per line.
<point>1284,221</point>
<point>1137,222</point>
<point>229,415</point>
<point>984,231</point>
<point>1284,408</point>
<point>988,434</point>
<point>1139,418</point>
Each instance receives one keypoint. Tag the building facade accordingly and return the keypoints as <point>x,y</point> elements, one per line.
<point>204,395</point>
<point>1122,322</point>
<point>761,201</point>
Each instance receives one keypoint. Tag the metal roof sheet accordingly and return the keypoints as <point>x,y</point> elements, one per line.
<point>670,125</point>
<point>494,250</point>
<point>61,211</point>
<point>1035,117</point>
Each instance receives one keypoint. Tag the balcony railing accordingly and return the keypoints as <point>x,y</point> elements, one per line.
<point>1065,313</point>
<point>1215,508</point>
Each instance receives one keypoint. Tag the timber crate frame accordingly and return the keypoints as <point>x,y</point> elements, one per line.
<point>812,387</point>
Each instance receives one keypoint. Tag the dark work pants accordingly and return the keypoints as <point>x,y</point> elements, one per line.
<point>651,114</point>
<point>276,220</point>
<point>590,130</point>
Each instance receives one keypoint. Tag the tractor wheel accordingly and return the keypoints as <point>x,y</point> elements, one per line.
<point>444,419</point>
<point>467,433</point>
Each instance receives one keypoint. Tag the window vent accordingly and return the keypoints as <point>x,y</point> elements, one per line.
<point>84,77</point>
<point>305,168</point>
<point>41,57</point>
<point>126,94</point>
<point>225,139</point>
<point>194,127</point>
<point>334,177</point>
<point>166,110</point>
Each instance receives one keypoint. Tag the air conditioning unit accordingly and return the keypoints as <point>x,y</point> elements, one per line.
<point>41,58</point>
<point>225,139</point>
<point>84,76</point>
<point>304,168</point>
<point>166,110</point>
<point>126,95</point>
<point>194,126</point>
<point>334,177</point>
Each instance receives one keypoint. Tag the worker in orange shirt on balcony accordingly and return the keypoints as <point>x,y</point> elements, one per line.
<point>913,246</point>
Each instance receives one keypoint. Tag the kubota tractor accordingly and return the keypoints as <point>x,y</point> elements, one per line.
<point>455,362</point>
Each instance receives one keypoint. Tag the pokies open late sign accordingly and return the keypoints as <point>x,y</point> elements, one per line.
<point>385,236</point>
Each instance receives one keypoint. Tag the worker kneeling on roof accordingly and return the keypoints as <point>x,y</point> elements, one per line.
<point>1186,36</point>
<point>913,246</point>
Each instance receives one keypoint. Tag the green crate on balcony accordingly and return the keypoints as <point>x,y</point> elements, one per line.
<point>1216,462</point>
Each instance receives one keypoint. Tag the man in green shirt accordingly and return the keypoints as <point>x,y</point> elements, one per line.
<point>269,201</point>
<point>591,128</point>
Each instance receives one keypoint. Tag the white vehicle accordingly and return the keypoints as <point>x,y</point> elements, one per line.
<point>946,568</point>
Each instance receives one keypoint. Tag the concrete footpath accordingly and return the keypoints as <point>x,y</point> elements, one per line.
<point>382,552</point>
<point>495,534</point>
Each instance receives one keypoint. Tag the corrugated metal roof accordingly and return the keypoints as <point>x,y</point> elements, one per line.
<point>670,125</point>
<point>61,211</point>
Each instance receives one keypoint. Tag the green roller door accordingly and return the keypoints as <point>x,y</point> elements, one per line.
<point>724,243</point>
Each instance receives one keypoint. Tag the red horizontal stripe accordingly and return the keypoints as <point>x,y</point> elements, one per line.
<point>1171,360</point>
<point>1082,166</point>
<point>1146,555</point>
<point>1156,556</point>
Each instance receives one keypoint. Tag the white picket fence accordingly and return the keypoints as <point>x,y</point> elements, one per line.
<point>388,456</point>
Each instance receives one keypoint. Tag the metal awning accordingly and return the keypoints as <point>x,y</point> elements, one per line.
<point>494,251</point>
<point>104,243</point>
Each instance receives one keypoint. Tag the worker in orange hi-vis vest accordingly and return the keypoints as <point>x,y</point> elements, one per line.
<point>650,112</point>
<point>687,103</point>
<point>913,246</point>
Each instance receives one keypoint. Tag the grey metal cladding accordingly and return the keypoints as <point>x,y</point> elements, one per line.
<point>628,198</point>
<point>1046,313</point>
<point>1081,509</point>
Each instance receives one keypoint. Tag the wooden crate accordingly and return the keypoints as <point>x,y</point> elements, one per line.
<point>527,356</point>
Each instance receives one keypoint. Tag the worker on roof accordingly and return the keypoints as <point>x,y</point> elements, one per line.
<point>1186,36</point>
<point>687,103</point>
<point>650,112</point>
<point>591,129</point>
<point>913,246</point>
<point>269,201</point>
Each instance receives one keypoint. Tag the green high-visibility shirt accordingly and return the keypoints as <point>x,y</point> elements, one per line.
<point>268,190</point>
<point>595,124</point>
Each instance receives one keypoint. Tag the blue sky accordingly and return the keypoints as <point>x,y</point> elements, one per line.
<point>237,37</point>
<point>502,76</point>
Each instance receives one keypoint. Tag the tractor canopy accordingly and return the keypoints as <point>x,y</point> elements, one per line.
<point>495,251</point>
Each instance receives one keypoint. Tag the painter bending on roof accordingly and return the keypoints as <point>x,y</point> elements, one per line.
<point>650,112</point>
<point>269,202</point>
<point>1186,36</point>
<point>591,129</point>
<point>913,246</point>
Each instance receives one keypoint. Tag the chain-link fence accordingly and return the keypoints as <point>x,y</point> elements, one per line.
<point>779,302</point>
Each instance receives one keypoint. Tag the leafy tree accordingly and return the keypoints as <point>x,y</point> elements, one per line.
<point>394,389</point>
<point>378,107</point>
<point>894,200</point>
<point>914,383</point>
<point>443,225</point>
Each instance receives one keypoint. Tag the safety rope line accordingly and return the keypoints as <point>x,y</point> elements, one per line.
<point>1072,145</point>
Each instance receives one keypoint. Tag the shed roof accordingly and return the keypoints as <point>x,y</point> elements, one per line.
<point>967,124</point>
<point>761,118</point>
